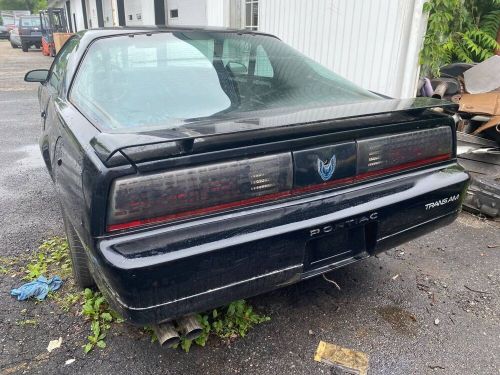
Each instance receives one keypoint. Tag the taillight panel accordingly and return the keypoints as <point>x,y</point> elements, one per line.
<point>381,153</point>
<point>141,199</point>
<point>188,192</point>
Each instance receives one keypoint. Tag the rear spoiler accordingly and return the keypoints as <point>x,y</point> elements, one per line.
<point>115,148</point>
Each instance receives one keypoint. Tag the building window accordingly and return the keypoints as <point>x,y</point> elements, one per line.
<point>251,14</point>
<point>174,13</point>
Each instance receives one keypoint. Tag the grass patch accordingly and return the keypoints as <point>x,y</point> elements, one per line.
<point>97,311</point>
<point>53,258</point>
<point>229,322</point>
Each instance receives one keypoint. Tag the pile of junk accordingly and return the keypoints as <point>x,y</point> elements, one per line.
<point>476,90</point>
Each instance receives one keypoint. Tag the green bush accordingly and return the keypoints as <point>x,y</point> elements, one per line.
<point>459,31</point>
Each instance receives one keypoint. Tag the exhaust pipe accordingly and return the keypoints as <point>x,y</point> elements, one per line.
<point>189,327</point>
<point>167,334</point>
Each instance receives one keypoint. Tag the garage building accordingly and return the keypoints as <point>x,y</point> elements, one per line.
<point>373,43</point>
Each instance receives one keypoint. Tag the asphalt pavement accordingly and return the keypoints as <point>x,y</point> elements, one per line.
<point>431,306</point>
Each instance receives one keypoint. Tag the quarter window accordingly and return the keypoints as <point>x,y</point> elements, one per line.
<point>61,61</point>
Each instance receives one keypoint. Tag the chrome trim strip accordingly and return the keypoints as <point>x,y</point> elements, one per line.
<point>210,290</point>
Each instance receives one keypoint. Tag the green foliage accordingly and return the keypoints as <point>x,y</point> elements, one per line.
<point>459,30</point>
<point>53,256</point>
<point>67,301</point>
<point>26,322</point>
<point>234,320</point>
<point>97,311</point>
<point>33,5</point>
<point>6,265</point>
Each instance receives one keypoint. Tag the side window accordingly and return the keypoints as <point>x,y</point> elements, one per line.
<point>61,61</point>
<point>263,67</point>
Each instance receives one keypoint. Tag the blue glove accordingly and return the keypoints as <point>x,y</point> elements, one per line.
<point>38,288</point>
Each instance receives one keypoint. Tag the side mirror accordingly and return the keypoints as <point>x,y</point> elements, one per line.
<point>38,75</point>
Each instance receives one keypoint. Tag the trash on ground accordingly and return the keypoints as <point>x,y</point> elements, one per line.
<point>54,344</point>
<point>346,359</point>
<point>38,288</point>
<point>436,321</point>
<point>331,282</point>
<point>395,277</point>
<point>70,361</point>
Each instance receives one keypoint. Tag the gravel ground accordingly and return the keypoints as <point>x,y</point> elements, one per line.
<point>429,307</point>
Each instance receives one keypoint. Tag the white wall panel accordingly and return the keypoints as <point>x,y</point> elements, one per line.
<point>107,13</point>
<point>216,12</point>
<point>190,12</point>
<point>372,43</point>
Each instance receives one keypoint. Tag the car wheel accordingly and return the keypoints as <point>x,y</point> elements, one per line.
<point>24,47</point>
<point>79,260</point>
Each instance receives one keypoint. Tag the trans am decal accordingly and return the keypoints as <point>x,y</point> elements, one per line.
<point>442,202</point>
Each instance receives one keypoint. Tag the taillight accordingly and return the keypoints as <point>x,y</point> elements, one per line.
<point>175,194</point>
<point>401,151</point>
<point>161,197</point>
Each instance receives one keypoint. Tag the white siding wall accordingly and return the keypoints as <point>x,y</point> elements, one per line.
<point>190,12</point>
<point>372,43</point>
<point>107,13</point>
<point>217,12</point>
<point>148,12</point>
<point>92,14</point>
<point>133,10</point>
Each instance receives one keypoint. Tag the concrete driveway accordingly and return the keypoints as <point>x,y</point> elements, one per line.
<point>429,307</point>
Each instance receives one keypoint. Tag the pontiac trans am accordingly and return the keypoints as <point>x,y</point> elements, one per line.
<point>199,166</point>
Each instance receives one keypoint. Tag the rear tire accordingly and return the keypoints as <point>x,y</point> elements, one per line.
<point>79,260</point>
<point>25,47</point>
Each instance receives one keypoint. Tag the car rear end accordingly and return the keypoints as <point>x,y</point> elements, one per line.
<point>30,31</point>
<point>194,232</point>
<point>215,208</point>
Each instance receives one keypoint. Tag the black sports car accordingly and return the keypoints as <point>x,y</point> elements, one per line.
<point>197,166</point>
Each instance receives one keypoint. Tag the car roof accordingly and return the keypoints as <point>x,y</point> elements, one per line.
<point>92,34</point>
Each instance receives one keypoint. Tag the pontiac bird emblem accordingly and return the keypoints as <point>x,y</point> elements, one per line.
<point>327,167</point>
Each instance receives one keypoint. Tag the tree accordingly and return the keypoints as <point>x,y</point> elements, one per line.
<point>32,5</point>
<point>459,31</point>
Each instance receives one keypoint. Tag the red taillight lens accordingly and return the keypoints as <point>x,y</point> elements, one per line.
<point>165,196</point>
<point>405,150</point>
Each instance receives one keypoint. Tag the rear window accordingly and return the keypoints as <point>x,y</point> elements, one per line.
<point>165,79</point>
<point>30,22</point>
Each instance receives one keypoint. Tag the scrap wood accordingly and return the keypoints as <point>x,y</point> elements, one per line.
<point>488,104</point>
<point>346,359</point>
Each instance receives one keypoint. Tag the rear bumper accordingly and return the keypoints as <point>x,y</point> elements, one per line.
<point>162,273</point>
<point>31,39</point>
